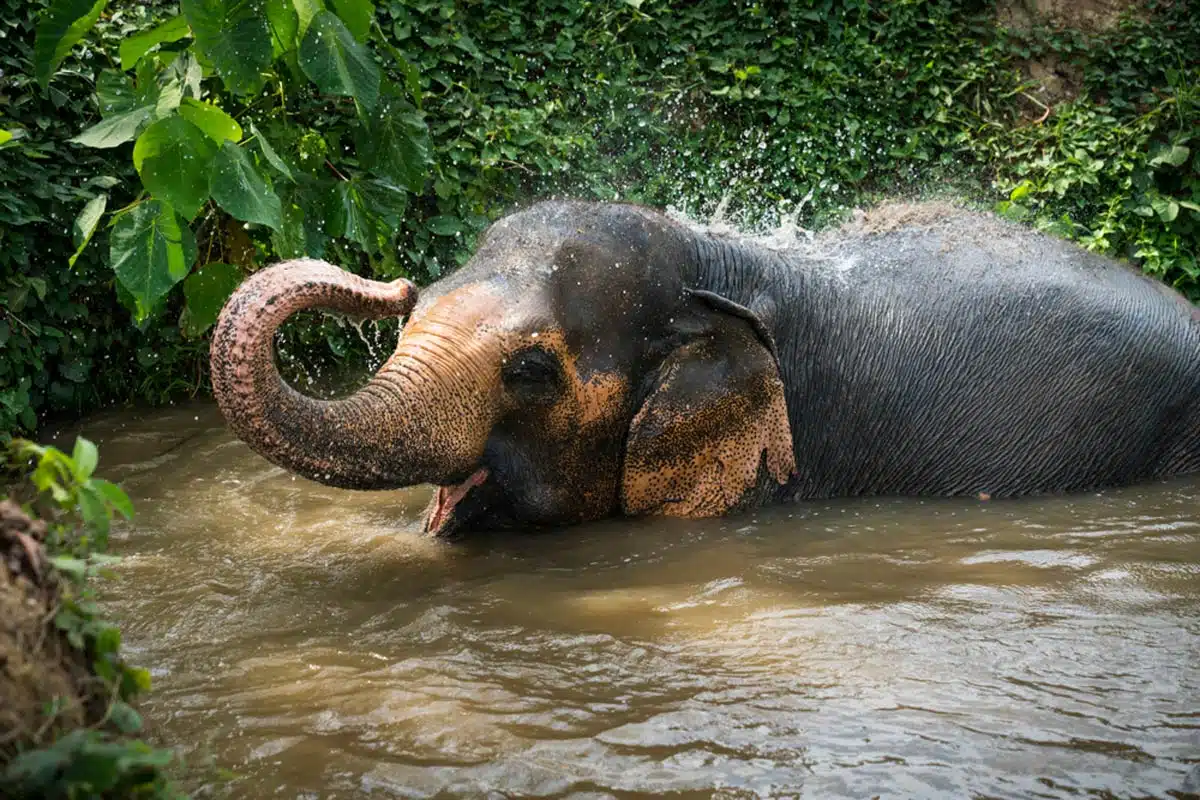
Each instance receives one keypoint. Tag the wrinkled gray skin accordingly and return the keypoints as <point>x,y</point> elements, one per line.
<point>965,355</point>
<point>601,359</point>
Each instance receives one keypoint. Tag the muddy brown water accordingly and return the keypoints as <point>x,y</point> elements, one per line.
<point>314,642</point>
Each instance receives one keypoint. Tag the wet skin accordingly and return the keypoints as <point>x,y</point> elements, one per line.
<point>594,360</point>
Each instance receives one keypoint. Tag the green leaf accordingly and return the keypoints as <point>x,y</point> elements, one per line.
<point>240,189</point>
<point>151,250</point>
<point>387,201</point>
<point>85,225</point>
<point>270,155</point>
<point>139,678</point>
<point>333,60</point>
<point>115,130</point>
<point>94,512</point>
<point>206,291</point>
<point>72,567</point>
<point>1175,155</point>
<point>116,93</point>
<point>305,11</point>
<point>235,37</point>
<point>5,136</point>
<point>290,241</point>
<point>174,157</point>
<point>395,143</point>
<point>353,217</point>
<point>1022,189</point>
<point>284,24</point>
<point>445,225</point>
<point>115,496</point>
<point>186,67</point>
<point>136,46</point>
<point>60,26</point>
<point>213,121</point>
<point>357,14</point>
<point>125,717</point>
<point>412,76</point>
<point>168,99</point>
<point>108,640</point>
<point>86,457</point>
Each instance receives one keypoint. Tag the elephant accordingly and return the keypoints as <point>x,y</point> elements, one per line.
<point>597,359</point>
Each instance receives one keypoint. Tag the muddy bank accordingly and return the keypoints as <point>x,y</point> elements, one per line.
<point>39,669</point>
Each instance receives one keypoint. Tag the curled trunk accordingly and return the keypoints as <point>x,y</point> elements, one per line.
<point>392,432</point>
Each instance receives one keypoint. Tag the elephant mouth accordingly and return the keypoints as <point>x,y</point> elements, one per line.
<point>440,519</point>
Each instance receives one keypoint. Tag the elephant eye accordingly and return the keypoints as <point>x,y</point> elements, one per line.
<point>532,374</point>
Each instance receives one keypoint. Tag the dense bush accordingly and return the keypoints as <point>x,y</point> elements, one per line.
<point>66,341</point>
<point>388,140</point>
<point>1116,167</point>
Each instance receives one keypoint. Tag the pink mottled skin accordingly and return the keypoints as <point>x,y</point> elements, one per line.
<point>384,435</point>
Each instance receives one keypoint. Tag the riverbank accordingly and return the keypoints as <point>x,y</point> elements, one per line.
<point>68,725</point>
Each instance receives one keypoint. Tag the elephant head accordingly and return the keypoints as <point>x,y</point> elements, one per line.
<point>567,372</point>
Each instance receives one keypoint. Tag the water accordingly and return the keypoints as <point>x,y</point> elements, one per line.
<point>313,641</point>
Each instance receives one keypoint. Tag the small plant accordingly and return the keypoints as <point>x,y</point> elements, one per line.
<point>100,759</point>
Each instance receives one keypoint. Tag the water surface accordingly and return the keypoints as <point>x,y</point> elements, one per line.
<point>312,640</point>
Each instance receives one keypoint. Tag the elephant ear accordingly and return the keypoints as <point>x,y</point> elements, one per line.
<point>713,431</point>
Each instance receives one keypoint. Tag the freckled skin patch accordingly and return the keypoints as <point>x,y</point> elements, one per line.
<point>576,438</point>
<point>695,451</point>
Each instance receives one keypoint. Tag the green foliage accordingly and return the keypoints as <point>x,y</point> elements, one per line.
<point>240,189</point>
<point>383,136</point>
<point>69,482</point>
<point>335,61</point>
<point>174,158</point>
<point>102,760</point>
<point>206,290</point>
<point>1116,168</point>
<point>66,342</point>
<point>61,28</point>
<point>152,250</point>
<point>87,763</point>
<point>183,86</point>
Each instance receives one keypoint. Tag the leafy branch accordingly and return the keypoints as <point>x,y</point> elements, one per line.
<point>191,93</point>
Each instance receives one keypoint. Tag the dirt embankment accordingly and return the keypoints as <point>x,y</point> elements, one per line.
<point>1057,80</point>
<point>40,671</point>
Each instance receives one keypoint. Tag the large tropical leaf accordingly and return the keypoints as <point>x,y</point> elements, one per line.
<point>239,188</point>
<point>61,25</point>
<point>115,130</point>
<point>206,291</point>
<point>270,155</point>
<point>337,63</point>
<point>236,38</point>
<point>85,225</point>
<point>357,14</point>
<point>394,143</point>
<point>151,250</point>
<point>174,158</point>
<point>284,24</point>
<point>136,46</point>
<point>218,125</point>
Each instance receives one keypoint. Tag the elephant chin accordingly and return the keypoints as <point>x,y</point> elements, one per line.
<point>443,516</point>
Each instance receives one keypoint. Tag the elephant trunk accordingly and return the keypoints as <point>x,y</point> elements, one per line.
<point>410,424</point>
